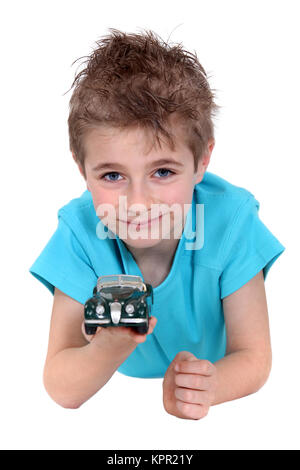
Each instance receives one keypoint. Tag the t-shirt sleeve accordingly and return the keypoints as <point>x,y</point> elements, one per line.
<point>249,248</point>
<point>63,263</point>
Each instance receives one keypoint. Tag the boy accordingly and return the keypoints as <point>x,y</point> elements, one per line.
<point>141,133</point>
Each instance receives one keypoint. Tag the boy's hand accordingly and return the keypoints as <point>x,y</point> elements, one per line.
<point>189,391</point>
<point>120,336</point>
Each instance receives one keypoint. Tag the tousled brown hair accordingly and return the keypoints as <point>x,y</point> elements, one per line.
<point>138,80</point>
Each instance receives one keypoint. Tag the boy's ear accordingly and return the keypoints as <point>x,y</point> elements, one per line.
<point>204,161</point>
<point>80,169</point>
<point>78,164</point>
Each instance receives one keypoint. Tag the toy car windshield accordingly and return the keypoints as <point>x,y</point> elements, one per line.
<point>121,281</point>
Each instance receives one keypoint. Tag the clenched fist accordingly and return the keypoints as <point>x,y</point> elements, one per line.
<point>189,386</point>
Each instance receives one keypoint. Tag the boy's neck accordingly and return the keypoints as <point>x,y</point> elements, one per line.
<point>155,262</point>
<point>164,250</point>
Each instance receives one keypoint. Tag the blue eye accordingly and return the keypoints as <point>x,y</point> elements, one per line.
<point>112,173</point>
<point>164,170</point>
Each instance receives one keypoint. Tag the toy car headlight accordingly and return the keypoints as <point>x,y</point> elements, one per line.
<point>129,308</point>
<point>100,309</point>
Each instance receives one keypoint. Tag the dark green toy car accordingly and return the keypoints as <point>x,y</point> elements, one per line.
<point>119,300</point>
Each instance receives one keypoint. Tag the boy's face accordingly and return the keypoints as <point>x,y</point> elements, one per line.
<point>137,186</point>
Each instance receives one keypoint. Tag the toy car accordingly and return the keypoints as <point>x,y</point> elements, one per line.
<point>119,300</point>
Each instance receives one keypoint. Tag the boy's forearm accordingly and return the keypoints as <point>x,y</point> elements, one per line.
<point>74,375</point>
<point>241,373</point>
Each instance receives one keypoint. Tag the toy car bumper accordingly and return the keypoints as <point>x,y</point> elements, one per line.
<point>122,320</point>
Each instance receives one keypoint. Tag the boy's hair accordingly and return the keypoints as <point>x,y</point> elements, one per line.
<point>138,80</point>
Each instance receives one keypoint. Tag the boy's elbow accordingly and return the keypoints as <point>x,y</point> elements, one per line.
<point>59,398</point>
<point>69,405</point>
<point>263,371</point>
<point>66,403</point>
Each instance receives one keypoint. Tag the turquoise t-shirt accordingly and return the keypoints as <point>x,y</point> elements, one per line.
<point>230,246</point>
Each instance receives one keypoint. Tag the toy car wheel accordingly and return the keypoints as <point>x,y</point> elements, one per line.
<point>90,330</point>
<point>142,329</point>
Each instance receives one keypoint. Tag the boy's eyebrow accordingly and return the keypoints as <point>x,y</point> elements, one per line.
<point>162,161</point>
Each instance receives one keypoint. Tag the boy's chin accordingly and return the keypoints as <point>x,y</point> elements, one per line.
<point>141,242</point>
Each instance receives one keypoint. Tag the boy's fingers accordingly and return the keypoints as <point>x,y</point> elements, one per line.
<point>189,395</point>
<point>184,356</point>
<point>202,367</point>
<point>152,324</point>
<point>192,411</point>
<point>193,381</point>
<point>125,330</point>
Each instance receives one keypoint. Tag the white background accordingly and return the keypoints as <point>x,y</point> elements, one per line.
<point>250,49</point>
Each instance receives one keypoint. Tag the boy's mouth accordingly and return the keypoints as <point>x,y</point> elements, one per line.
<point>142,222</point>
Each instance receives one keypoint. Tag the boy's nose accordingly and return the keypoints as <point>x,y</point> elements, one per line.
<point>138,195</point>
